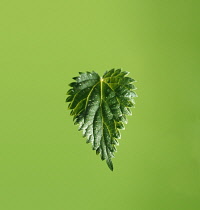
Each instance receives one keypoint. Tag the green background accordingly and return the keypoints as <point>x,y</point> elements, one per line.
<point>45,163</point>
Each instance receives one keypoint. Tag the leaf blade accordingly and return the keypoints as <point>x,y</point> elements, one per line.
<point>100,105</point>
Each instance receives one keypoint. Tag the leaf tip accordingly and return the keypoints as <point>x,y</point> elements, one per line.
<point>110,164</point>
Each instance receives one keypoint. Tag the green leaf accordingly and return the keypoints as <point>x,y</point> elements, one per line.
<point>100,105</point>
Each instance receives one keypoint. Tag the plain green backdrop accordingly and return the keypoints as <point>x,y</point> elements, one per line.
<point>45,163</point>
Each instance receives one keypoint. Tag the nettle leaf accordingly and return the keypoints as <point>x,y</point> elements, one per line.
<point>100,105</point>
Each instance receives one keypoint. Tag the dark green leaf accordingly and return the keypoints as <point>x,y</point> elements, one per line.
<point>100,105</point>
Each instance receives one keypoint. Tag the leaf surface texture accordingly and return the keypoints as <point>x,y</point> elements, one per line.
<point>100,105</point>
